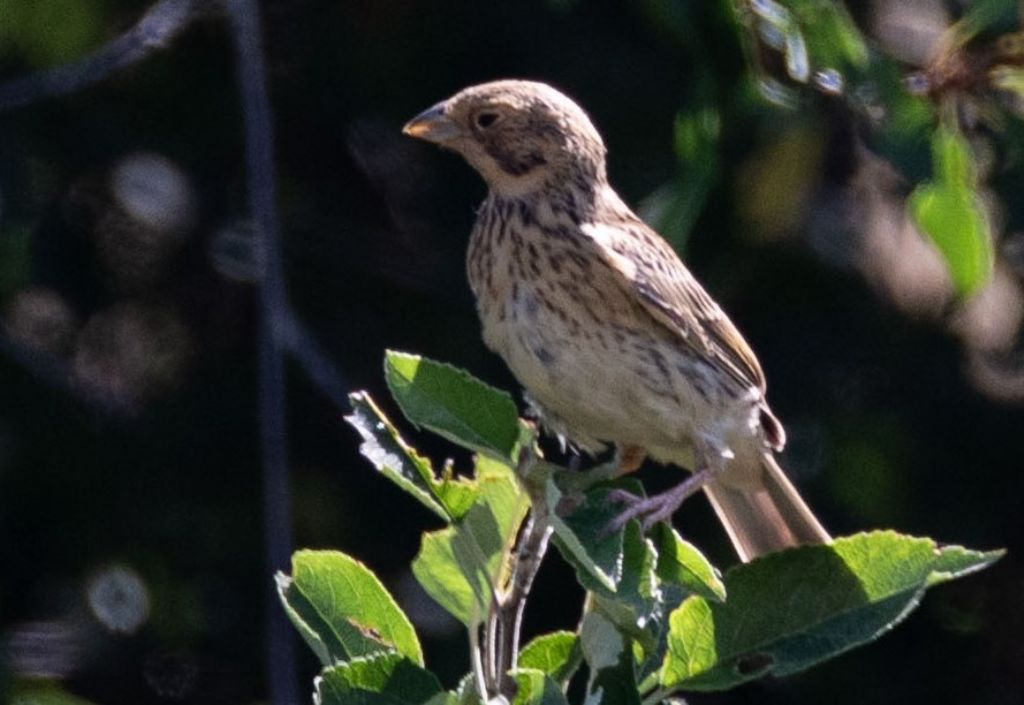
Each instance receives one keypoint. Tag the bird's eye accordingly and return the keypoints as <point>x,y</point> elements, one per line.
<point>486,119</point>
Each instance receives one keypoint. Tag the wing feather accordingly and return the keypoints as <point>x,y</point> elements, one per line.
<point>651,271</point>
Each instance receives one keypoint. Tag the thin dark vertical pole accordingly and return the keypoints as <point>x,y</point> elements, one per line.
<point>280,332</point>
<point>259,136</point>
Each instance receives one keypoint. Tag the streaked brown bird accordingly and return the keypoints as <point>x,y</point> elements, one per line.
<point>612,337</point>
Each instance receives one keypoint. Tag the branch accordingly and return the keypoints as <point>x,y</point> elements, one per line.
<point>527,559</point>
<point>161,24</point>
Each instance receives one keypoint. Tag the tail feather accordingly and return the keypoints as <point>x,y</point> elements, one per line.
<point>765,516</point>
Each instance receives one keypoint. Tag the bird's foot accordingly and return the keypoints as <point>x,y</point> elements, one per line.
<point>657,508</point>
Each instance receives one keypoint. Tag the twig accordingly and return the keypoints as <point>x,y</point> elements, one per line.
<point>479,677</point>
<point>243,16</point>
<point>529,555</point>
<point>492,667</point>
<point>161,23</point>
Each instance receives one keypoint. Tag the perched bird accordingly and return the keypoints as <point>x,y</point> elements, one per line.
<point>611,336</point>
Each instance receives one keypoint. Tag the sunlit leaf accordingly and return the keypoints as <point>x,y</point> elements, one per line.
<point>680,563</point>
<point>459,566</point>
<point>555,655</point>
<point>949,210</point>
<point>448,497</point>
<point>342,610</point>
<point>791,610</point>
<point>453,404</point>
<point>534,687</point>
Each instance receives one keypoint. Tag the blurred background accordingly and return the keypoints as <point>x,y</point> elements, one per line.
<point>130,506</point>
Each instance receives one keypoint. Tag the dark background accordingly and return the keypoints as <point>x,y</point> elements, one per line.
<point>129,438</point>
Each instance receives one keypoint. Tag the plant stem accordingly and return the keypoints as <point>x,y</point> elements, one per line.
<point>478,669</point>
<point>529,555</point>
<point>507,614</point>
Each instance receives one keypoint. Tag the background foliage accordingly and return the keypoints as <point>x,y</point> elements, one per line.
<point>129,501</point>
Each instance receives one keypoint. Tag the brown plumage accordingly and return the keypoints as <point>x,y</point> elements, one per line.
<point>612,337</point>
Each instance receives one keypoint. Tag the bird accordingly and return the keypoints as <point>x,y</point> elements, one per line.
<point>612,338</point>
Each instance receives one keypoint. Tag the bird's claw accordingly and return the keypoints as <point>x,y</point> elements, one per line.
<point>648,510</point>
<point>652,510</point>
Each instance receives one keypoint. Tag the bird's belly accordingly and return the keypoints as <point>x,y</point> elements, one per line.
<point>593,383</point>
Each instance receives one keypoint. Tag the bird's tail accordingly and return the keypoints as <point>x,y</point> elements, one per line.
<point>764,513</point>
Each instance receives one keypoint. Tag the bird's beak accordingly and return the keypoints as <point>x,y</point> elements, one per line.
<point>433,125</point>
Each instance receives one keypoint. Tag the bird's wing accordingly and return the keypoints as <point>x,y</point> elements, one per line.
<point>652,273</point>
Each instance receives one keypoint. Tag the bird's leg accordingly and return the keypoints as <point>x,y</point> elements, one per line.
<point>712,459</point>
<point>659,507</point>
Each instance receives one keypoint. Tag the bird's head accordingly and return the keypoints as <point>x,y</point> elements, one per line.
<point>520,136</point>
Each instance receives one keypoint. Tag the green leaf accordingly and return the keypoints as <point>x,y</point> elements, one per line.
<point>341,609</point>
<point>448,497</point>
<point>949,210</point>
<point>556,655</point>
<point>619,567</point>
<point>312,627</point>
<point>580,537</point>
<point>951,158</point>
<point>610,659</point>
<point>466,693</point>
<point>459,566</point>
<point>534,687</point>
<point>833,39</point>
<point>453,404</point>
<point>680,563</point>
<point>791,610</point>
<point>636,607</point>
<point>377,679</point>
